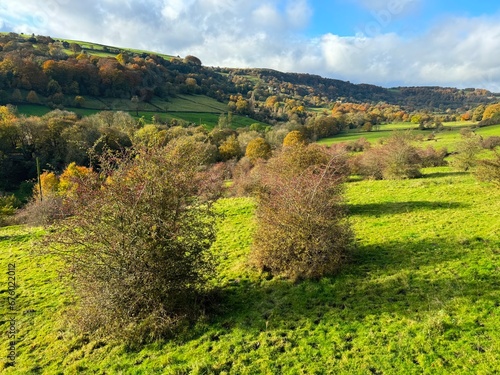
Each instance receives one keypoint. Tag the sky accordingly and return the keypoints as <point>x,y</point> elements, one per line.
<point>384,42</point>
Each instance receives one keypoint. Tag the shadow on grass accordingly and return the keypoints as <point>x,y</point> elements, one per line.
<point>16,238</point>
<point>389,208</point>
<point>402,279</point>
<point>444,174</point>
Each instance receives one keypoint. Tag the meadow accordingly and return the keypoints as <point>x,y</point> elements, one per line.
<point>443,139</point>
<point>420,294</point>
<point>196,109</point>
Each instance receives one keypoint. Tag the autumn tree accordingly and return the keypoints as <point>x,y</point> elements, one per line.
<point>258,148</point>
<point>230,148</point>
<point>293,138</point>
<point>32,97</point>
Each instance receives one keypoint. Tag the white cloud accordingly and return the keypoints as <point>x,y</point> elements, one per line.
<point>298,13</point>
<point>256,33</point>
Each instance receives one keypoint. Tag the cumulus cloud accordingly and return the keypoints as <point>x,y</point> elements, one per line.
<point>457,52</point>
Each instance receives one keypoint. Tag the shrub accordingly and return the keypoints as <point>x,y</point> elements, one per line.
<point>396,159</point>
<point>136,248</point>
<point>466,152</point>
<point>489,169</point>
<point>230,148</point>
<point>8,206</point>
<point>293,138</point>
<point>358,145</point>
<point>302,230</point>
<point>491,143</point>
<point>430,157</point>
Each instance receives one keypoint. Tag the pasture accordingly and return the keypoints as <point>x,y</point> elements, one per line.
<point>420,295</point>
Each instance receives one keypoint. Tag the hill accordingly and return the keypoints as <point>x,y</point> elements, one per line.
<point>58,73</point>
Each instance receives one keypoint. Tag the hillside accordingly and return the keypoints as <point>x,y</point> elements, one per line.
<point>420,295</point>
<point>56,73</point>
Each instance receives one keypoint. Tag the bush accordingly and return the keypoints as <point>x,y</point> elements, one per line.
<point>302,230</point>
<point>396,159</point>
<point>8,206</point>
<point>491,143</point>
<point>136,248</point>
<point>358,145</point>
<point>489,169</point>
<point>430,157</point>
<point>258,148</point>
<point>293,138</point>
<point>466,152</point>
<point>43,213</point>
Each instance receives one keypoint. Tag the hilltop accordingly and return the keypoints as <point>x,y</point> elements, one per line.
<point>88,77</point>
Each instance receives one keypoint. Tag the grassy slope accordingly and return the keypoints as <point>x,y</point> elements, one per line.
<point>198,109</point>
<point>446,138</point>
<point>421,295</point>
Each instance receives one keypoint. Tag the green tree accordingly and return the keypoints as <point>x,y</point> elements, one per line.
<point>467,150</point>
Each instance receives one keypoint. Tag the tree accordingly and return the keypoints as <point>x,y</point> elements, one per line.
<point>136,248</point>
<point>258,148</point>
<point>293,138</point>
<point>32,97</point>
<point>301,219</point>
<point>192,59</point>
<point>467,150</point>
<point>230,148</point>
<point>17,97</point>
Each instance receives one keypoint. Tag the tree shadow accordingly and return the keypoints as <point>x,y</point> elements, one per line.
<point>381,279</point>
<point>389,208</point>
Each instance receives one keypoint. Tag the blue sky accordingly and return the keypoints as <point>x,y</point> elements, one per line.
<point>384,42</point>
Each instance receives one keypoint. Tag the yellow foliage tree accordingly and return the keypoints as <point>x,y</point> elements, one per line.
<point>294,138</point>
<point>258,148</point>
<point>491,111</point>
<point>230,148</point>
<point>67,180</point>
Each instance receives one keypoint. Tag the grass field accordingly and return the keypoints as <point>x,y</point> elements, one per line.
<point>447,138</point>
<point>421,295</point>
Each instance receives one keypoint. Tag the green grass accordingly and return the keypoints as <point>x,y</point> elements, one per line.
<point>446,138</point>
<point>420,295</point>
<point>197,109</point>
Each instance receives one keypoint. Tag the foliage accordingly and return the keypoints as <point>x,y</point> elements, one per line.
<point>396,159</point>
<point>430,157</point>
<point>8,206</point>
<point>489,169</point>
<point>491,143</point>
<point>258,148</point>
<point>293,138</point>
<point>136,247</point>
<point>466,151</point>
<point>230,148</point>
<point>419,296</point>
<point>301,228</point>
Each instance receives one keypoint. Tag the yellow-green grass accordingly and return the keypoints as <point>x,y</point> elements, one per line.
<point>420,295</point>
<point>446,138</point>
